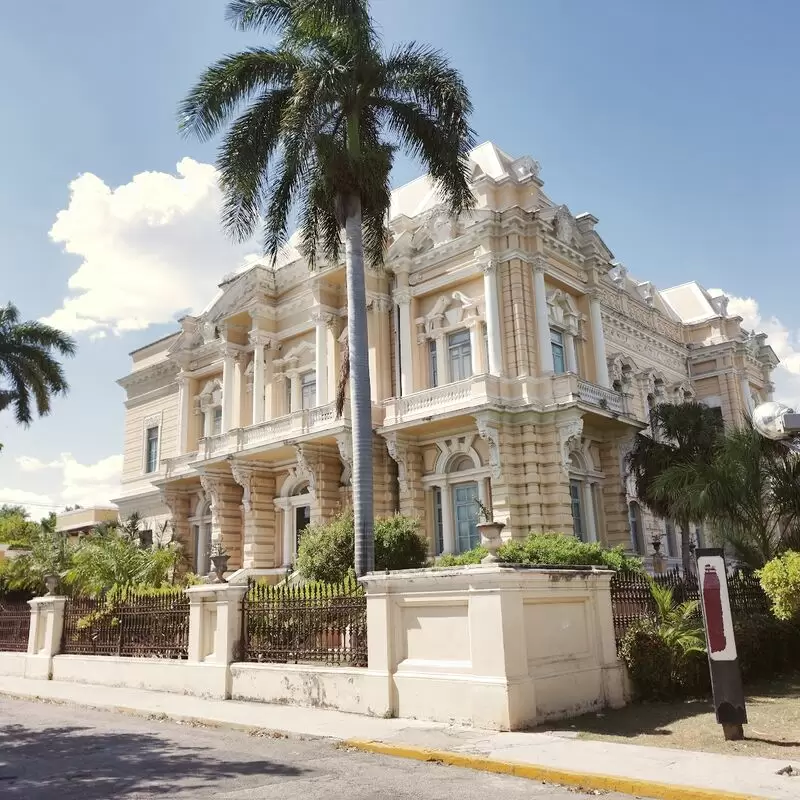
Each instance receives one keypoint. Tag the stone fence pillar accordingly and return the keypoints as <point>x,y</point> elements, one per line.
<point>44,639</point>
<point>215,629</point>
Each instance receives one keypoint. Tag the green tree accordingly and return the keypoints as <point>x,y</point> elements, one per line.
<point>323,112</point>
<point>15,526</point>
<point>28,365</point>
<point>748,488</point>
<point>679,435</point>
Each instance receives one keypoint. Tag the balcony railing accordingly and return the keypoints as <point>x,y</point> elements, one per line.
<point>179,465</point>
<point>473,392</point>
<point>607,399</point>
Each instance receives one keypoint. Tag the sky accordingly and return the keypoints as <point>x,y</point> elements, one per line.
<point>676,124</point>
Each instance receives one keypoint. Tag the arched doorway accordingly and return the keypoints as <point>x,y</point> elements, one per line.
<point>201,536</point>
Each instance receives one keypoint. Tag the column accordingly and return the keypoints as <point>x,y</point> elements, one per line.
<point>483,492</point>
<point>296,390</point>
<point>442,364</point>
<point>228,377</point>
<point>588,502</point>
<point>492,318</point>
<point>288,535</point>
<point>258,379</point>
<point>406,341</point>
<point>569,350</point>
<point>321,357</point>
<point>598,341</point>
<point>546,366</point>
<point>747,397</point>
<point>208,422</point>
<point>184,413</point>
<point>448,527</point>
<point>475,346</point>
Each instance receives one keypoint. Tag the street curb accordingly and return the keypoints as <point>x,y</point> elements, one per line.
<point>583,780</point>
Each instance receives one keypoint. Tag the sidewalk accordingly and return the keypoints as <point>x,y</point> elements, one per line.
<point>552,757</point>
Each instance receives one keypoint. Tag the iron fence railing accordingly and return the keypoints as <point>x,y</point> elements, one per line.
<point>15,624</point>
<point>305,624</point>
<point>632,600</point>
<point>131,623</point>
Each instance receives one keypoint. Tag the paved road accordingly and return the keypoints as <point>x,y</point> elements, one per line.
<point>58,751</point>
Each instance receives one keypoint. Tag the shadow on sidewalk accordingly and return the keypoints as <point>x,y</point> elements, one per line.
<point>90,764</point>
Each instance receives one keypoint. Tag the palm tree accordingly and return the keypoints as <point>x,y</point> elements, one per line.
<point>749,489</point>
<point>27,364</point>
<point>322,115</point>
<point>679,435</point>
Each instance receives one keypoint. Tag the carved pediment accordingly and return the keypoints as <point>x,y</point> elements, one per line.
<point>562,311</point>
<point>449,311</point>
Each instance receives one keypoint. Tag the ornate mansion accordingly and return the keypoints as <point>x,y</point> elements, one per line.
<point>512,360</point>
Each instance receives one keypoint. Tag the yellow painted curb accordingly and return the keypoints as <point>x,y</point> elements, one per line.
<point>585,780</point>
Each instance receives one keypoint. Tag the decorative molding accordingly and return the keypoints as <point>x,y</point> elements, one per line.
<point>212,485</point>
<point>399,454</point>
<point>344,442</point>
<point>305,468</point>
<point>487,430</point>
<point>570,434</point>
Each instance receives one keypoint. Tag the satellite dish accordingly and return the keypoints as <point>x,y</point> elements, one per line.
<point>768,419</point>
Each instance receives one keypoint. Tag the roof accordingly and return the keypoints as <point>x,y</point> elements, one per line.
<point>691,302</point>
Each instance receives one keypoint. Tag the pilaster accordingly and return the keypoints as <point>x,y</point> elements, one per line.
<point>259,532</point>
<point>225,498</point>
<point>178,502</point>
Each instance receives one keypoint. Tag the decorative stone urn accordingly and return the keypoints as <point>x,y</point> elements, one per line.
<point>490,539</point>
<point>220,563</point>
<point>51,582</point>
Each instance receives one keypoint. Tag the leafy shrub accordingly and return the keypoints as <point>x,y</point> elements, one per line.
<point>400,543</point>
<point>766,646</point>
<point>474,556</point>
<point>780,579</point>
<point>327,551</point>
<point>553,549</point>
<point>102,562</point>
<point>665,654</point>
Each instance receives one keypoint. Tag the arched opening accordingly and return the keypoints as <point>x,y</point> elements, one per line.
<point>465,504</point>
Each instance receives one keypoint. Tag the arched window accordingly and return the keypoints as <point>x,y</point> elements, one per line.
<point>201,537</point>
<point>461,464</point>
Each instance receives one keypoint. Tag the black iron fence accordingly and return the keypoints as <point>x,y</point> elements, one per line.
<point>305,624</point>
<point>632,600</point>
<point>130,623</point>
<point>15,623</point>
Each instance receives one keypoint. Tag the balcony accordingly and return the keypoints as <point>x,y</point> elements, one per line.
<point>291,428</point>
<point>599,396</point>
<point>473,393</point>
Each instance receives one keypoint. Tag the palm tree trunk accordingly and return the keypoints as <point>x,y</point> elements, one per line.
<point>360,394</point>
<point>360,402</point>
<point>686,555</point>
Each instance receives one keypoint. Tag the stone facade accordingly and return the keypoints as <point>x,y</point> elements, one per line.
<point>512,361</point>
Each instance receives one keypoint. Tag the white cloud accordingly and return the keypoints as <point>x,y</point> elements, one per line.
<point>785,341</point>
<point>37,505</point>
<point>82,484</point>
<point>149,249</point>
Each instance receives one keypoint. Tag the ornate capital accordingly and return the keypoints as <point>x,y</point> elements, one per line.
<point>540,264</point>
<point>401,296</point>
<point>488,267</point>
<point>259,338</point>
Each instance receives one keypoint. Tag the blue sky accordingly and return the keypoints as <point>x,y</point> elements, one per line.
<point>674,123</point>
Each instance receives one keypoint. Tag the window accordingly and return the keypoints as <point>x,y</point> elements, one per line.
<point>438,520</point>
<point>672,544</point>
<point>460,356</point>
<point>433,363</point>
<point>151,449</point>
<point>637,531</point>
<point>146,539</point>
<point>216,421</point>
<point>577,510</point>
<point>465,515</point>
<point>557,345</point>
<point>288,397</point>
<point>308,390</point>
